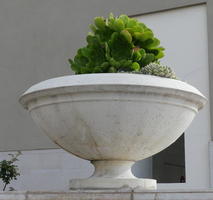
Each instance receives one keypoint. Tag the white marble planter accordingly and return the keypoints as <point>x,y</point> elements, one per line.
<point>113,120</point>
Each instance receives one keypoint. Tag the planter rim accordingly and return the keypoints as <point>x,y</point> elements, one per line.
<point>113,81</point>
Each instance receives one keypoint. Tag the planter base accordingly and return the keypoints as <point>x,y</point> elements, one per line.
<point>110,174</point>
<point>110,183</point>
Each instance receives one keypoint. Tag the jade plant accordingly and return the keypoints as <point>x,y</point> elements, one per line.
<point>119,44</point>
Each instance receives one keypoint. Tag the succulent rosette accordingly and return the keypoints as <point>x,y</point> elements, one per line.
<point>158,69</point>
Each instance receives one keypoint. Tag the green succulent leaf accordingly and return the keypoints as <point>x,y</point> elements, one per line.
<point>112,70</point>
<point>159,55</point>
<point>150,57</point>
<point>126,35</point>
<point>135,66</point>
<point>125,19</point>
<point>116,24</point>
<point>132,23</point>
<point>125,63</point>
<point>143,36</point>
<point>137,56</point>
<point>100,22</point>
<point>120,48</point>
<point>111,16</point>
<point>92,28</point>
<point>155,43</point>
<point>142,52</point>
<point>104,35</point>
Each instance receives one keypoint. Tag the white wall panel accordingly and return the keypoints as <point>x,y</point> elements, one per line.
<point>47,170</point>
<point>183,32</point>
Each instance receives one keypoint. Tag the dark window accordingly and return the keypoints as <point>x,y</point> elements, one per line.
<point>169,165</point>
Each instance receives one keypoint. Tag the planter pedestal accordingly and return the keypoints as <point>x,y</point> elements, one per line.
<point>113,174</point>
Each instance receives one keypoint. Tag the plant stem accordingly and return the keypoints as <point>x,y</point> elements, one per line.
<point>5,186</point>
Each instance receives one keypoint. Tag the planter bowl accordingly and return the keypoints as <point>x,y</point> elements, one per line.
<point>113,120</point>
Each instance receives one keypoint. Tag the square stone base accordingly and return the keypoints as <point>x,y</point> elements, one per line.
<point>120,194</point>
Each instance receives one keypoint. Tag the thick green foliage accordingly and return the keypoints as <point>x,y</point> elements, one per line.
<point>8,170</point>
<point>117,44</point>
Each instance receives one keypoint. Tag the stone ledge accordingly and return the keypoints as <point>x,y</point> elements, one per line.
<point>121,194</point>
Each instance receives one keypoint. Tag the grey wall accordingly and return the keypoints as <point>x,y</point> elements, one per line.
<point>36,39</point>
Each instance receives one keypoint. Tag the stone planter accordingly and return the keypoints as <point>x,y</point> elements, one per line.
<point>113,120</point>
